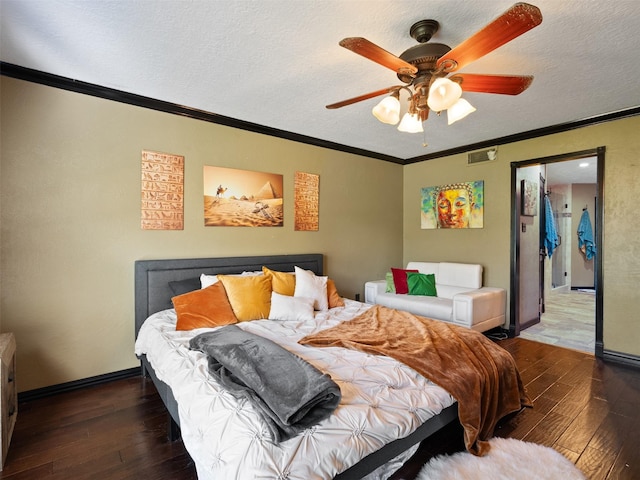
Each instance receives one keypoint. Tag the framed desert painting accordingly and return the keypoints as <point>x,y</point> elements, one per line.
<point>242,198</point>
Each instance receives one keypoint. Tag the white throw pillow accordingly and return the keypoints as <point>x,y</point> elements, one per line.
<point>286,307</point>
<point>208,280</point>
<point>252,273</point>
<point>311,286</point>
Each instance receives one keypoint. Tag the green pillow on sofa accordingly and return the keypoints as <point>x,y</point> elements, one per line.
<point>391,288</point>
<point>422,284</point>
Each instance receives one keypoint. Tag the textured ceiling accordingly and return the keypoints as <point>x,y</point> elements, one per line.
<point>277,63</point>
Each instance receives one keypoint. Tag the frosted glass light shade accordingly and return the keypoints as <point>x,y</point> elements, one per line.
<point>388,110</point>
<point>410,123</point>
<point>443,93</point>
<point>459,110</point>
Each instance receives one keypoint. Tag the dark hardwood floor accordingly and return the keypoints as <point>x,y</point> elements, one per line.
<point>584,408</point>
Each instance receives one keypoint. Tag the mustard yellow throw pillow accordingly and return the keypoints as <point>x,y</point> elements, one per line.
<point>250,297</point>
<point>281,282</point>
<point>208,307</point>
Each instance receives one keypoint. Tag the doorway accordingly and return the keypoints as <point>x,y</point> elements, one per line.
<point>561,292</point>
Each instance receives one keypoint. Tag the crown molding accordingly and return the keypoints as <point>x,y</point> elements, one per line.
<point>539,132</point>
<point>65,83</point>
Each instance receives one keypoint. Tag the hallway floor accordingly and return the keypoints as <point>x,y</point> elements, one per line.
<point>568,321</point>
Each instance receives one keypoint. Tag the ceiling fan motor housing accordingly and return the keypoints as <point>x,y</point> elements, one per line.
<point>424,57</point>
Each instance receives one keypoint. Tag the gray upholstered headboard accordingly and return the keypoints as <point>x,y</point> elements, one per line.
<point>152,277</point>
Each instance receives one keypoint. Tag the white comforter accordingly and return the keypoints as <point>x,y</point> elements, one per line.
<point>382,400</point>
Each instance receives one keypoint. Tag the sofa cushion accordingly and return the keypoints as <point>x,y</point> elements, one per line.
<point>464,275</point>
<point>448,291</point>
<point>425,267</point>
<point>431,307</point>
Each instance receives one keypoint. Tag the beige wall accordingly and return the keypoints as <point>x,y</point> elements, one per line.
<point>490,246</point>
<point>70,220</point>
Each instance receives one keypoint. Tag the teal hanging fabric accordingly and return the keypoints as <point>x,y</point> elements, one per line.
<point>585,236</point>
<point>551,240</point>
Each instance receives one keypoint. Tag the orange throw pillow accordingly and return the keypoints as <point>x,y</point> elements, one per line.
<point>335,300</point>
<point>208,307</point>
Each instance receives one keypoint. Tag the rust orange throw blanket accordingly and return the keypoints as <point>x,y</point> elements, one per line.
<point>479,374</point>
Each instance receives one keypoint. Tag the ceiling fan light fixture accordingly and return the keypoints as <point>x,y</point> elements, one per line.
<point>459,110</point>
<point>443,93</point>
<point>388,110</point>
<point>410,123</point>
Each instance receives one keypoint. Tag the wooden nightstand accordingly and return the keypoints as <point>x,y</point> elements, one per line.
<point>8,391</point>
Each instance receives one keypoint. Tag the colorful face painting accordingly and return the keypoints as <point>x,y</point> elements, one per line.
<point>457,205</point>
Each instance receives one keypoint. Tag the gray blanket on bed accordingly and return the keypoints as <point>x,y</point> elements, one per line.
<point>289,393</point>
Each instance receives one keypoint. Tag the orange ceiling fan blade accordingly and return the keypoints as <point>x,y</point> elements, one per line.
<point>500,84</point>
<point>366,96</point>
<point>519,19</point>
<point>373,52</point>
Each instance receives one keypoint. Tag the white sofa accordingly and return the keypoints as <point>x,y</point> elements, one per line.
<point>461,299</point>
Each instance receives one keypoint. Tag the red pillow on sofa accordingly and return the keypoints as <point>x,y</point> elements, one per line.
<point>400,279</point>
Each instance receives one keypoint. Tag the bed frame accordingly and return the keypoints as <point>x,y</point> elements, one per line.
<point>153,294</point>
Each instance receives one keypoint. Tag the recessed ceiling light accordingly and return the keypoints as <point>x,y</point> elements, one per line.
<point>584,164</point>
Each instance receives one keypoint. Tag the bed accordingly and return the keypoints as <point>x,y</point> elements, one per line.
<point>386,408</point>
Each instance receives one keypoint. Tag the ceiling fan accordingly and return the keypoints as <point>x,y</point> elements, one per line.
<point>426,68</point>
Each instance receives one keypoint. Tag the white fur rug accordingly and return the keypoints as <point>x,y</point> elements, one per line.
<point>508,459</point>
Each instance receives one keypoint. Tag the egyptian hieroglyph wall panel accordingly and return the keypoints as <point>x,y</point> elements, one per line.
<point>306,193</point>
<point>162,191</point>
